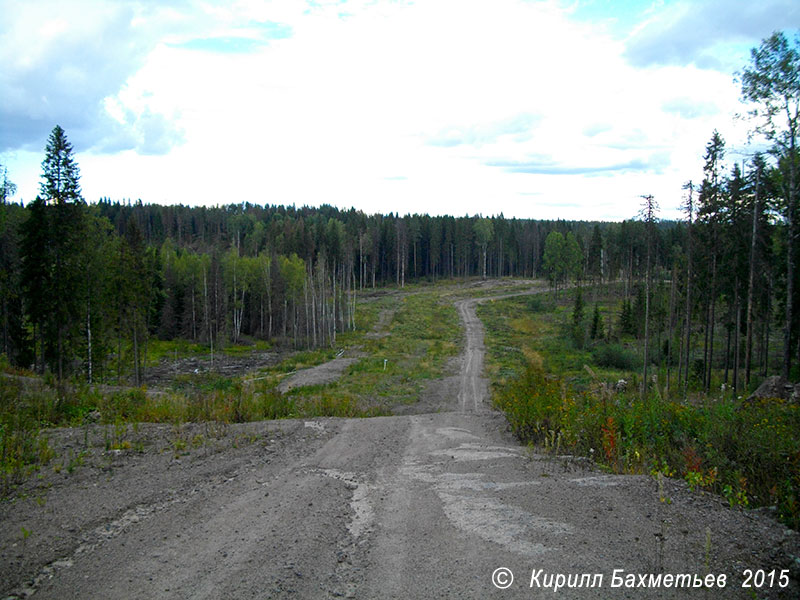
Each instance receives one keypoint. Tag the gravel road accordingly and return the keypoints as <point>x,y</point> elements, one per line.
<point>408,506</point>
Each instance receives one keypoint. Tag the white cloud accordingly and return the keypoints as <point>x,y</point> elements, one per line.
<point>60,61</point>
<point>443,107</point>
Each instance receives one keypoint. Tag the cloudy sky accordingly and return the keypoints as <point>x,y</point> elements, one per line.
<point>541,108</point>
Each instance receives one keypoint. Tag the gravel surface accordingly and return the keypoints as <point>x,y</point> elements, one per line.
<point>324,373</point>
<point>408,506</point>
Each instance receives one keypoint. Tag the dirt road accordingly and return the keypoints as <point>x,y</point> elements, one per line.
<point>411,506</point>
<point>473,392</point>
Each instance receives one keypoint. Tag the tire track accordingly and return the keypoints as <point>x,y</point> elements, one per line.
<point>474,388</point>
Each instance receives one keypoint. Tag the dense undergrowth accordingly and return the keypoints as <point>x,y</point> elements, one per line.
<point>561,396</point>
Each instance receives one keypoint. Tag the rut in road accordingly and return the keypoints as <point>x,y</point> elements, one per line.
<point>473,386</point>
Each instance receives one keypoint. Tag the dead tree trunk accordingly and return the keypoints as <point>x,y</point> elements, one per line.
<point>688,319</point>
<point>712,319</point>
<point>670,326</point>
<point>737,342</point>
<point>751,285</point>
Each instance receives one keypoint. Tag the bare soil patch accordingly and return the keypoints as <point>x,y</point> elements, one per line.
<point>325,373</point>
<point>223,364</point>
<point>381,326</point>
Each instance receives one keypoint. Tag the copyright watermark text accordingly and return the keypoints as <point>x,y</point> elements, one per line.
<point>503,578</point>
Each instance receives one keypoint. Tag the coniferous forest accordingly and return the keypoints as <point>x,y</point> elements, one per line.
<point>84,287</point>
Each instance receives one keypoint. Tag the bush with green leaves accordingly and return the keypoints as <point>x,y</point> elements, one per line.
<point>615,356</point>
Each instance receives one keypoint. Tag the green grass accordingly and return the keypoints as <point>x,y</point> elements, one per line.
<point>749,452</point>
<point>157,350</point>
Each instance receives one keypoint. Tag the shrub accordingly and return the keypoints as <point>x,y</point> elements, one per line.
<point>22,447</point>
<point>615,356</point>
<point>534,304</point>
<point>531,405</point>
<point>627,324</point>
<point>271,404</point>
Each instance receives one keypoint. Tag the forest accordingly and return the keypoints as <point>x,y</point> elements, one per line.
<point>85,286</point>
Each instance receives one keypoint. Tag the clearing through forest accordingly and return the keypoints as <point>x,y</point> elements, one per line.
<point>405,506</point>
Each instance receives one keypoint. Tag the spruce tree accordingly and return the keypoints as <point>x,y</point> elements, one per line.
<point>53,240</point>
<point>37,273</point>
<point>60,174</point>
<point>648,214</point>
<point>627,324</point>
<point>596,330</point>
<point>13,333</point>
<point>578,330</point>
<point>7,187</point>
<point>577,310</point>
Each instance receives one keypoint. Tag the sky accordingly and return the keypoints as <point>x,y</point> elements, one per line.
<point>546,109</point>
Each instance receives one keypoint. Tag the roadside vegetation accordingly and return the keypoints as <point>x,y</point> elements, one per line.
<point>559,379</point>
